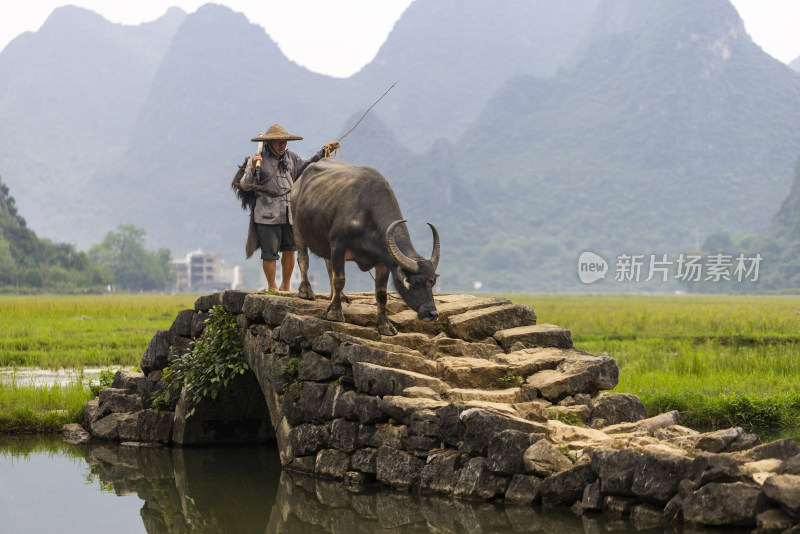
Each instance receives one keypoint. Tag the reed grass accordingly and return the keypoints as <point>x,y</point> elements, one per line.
<point>32,408</point>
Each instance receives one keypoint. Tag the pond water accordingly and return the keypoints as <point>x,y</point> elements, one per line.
<point>33,376</point>
<point>49,486</point>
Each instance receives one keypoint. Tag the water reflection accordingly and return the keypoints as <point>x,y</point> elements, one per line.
<point>50,486</point>
<point>240,490</point>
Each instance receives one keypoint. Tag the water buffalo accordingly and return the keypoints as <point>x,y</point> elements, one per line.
<point>346,213</point>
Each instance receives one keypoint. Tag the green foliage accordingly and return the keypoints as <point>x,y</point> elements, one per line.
<point>209,366</point>
<point>512,380</point>
<point>134,268</point>
<point>288,372</point>
<point>105,380</point>
<point>564,449</point>
<point>444,327</point>
<point>566,417</point>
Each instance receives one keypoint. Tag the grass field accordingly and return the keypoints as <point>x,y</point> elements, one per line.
<point>82,331</point>
<point>721,360</point>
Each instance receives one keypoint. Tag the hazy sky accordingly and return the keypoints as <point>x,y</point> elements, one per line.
<point>348,33</point>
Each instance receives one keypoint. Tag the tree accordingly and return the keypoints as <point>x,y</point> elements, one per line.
<point>134,268</point>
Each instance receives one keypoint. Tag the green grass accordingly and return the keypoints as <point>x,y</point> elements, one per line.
<point>721,360</point>
<point>76,331</point>
<point>27,409</point>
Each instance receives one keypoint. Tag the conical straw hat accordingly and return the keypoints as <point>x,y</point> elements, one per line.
<point>276,132</point>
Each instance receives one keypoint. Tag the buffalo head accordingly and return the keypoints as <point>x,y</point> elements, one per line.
<point>414,277</point>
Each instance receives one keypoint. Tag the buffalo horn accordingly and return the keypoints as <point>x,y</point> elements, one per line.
<point>435,253</point>
<point>399,258</point>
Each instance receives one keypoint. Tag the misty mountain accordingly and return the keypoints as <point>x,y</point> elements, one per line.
<point>795,64</point>
<point>527,132</point>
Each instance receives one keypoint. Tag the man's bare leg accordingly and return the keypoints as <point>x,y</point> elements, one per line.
<point>287,266</point>
<point>270,267</point>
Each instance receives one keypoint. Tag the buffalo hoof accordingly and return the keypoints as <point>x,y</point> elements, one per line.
<point>387,329</point>
<point>306,293</point>
<point>335,315</point>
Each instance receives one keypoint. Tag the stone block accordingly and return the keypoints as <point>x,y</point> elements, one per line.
<point>523,489</point>
<point>381,381</point>
<point>344,435</point>
<point>315,367</point>
<point>617,408</point>
<point>157,352</point>
<point>398,469</point>
<point>364,460</point>
<point>182,325</point>
<point>384,355</point>
<point>506,450</point>
<point>477,481</point>
<point>616,469</point>
<point>308,439</point>
<point>476,325</point>
<point>233,300</point>
<point>785,490</point>
<point>530,361</point>
<point>401,409</point>
<point>75,434</point>
<point>544,459</point>
<point>737,504</point>
<point>118,401</point>
<point>440,473</point>
<point>127,380</point>
<point>332,463</point>
<point>657,476</point>
<point>481,425</point>
<point>566,487</point>
<point>406,321</point>
<point>471,372</point>
<point>579,373</point>
<point>147,426</point>
<point>206,302</point>
<point>539,335</point>
<point>442,345</point>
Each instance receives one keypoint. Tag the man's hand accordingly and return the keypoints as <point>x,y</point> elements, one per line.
<point>255,162</point>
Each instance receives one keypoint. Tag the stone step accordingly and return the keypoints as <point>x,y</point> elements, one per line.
<point>539,335</point>
<point>510,395</point>
<point>477,325</point>
<point>377,380</point>
<point>447,306</point>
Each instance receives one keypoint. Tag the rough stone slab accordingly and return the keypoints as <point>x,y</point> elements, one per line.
<point>397,469</point>
<point>718,440</point>
<point>233,300</point>
<point>442,345</point>
<point>774,520</point>
<point>508,396</point>
<point>533,410</point>
<point>402,409</point>
<point>471,372</point>
<point>566,487</point>
<point>147,426</point>
<point>523,489</point>
<point>381,381</point>
<point>364,460</point>
<point>315,367</point>
<point>477,481</point>
<point>128,380</point>
<point>156,354</point>
<point>90,411</point>
<point>481,425</point>
<point>206,302</point>
<point>332,463</point>
<point>119,401</point>
<point>579,373</point>
<point>650,425</point>
<point>782,449</point>
<point>615,408</point>
<point>440,473</point>
<point>107,428</point>
<point>616,469</point>
<point>544,459</point>
<point>301,330</point>
<point>182,325</point>
<point>385,356</point>
<point>75,434</point>
<point>476,325</point>
<point>657,477</point>
<point>406,321</point>
<point>506,450</point>
<point>784,490</point>
<point>735,504</point>
<point>530,361</point>
<point>540,335</point>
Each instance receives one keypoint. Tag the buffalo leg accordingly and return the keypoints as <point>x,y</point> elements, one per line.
<point>342,297</point>
<point>336,272</point>
<point>304,291</point>
<point>385,327</point>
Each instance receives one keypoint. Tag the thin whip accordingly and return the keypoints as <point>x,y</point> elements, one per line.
<point>365,113</point>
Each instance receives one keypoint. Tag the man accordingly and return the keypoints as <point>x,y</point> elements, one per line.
<point>270,174</point>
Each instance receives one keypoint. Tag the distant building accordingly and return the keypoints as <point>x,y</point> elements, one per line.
<point>204,271</point>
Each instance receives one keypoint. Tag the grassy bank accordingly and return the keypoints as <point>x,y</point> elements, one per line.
<point>721,360</point>
<point>26,409</point>
<point>54,331</point>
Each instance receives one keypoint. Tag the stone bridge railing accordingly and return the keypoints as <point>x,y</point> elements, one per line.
<point>482,404</point>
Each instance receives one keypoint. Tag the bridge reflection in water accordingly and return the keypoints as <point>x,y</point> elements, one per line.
<point>243,490</point>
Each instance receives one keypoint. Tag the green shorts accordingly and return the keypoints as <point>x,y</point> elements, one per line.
<point>275,238</point>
